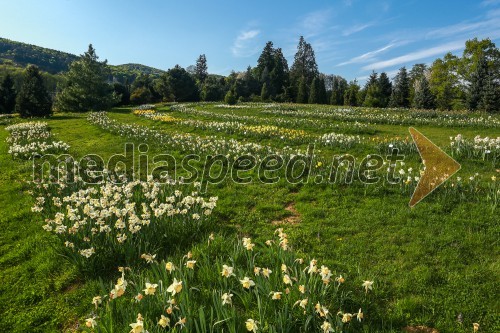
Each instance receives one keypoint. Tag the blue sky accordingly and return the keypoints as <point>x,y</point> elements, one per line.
<point>350,37</point>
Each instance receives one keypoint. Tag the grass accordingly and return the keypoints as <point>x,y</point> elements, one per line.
<point>429,264</point>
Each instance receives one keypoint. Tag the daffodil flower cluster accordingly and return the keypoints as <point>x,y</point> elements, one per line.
<point>115,222</point>
<point>184,142</point>
<point>388,116</point>
<point>480,147</point>
<point>31,139</point>
<point>244,288</point>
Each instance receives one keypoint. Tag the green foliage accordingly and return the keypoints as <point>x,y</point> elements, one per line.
<point>385,89</point>
<point>141,95</point>
<point>373,92</point>
<point>317,94</point>
<point>264,95</point>
<point>351,94</point>
<point>180,85</point>
<point>48,60</point>
<point>490,100</point>
<point>339,87</point>
<point>230,97</point>
<point>122,92</point>
<point>33,99</point>
<point>302,97</point>
<point>212,90</point>
<point>304,64</point>
<point>400,96</point>
<point>423,96</point>
<point>86,85</point>
<point>7,95</point>
<point>201,70</point>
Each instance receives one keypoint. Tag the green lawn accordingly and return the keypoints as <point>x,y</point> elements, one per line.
<point>429,263</point>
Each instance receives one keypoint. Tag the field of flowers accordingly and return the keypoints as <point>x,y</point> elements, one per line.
<point>325,253</point>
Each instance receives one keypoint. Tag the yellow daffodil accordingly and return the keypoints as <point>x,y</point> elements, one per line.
<point>326,327</point>
<point>302,303</point>
<point>247,283</point>
<point>227,298</point>
<point>150,289</point>
<point>475,327</point>
<point>276,295</point>
<point>96,301</point>
<point>175,287</point>
<point>164,321</point>
<point>169,266</point>
<point>251,325</point>
<point>266,272</point>
<point>286,279</point>
<point>90,322</point>
<point>302,289</point>
<point>256,270</point>
<point>359,315</point>
<point>368,285</point>
<point>227,271</point>
<point>190,264</point>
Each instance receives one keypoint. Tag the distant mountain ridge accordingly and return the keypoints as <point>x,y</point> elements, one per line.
<point>56,62</point>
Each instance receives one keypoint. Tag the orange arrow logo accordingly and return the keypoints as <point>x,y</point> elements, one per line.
<point>438,166</point>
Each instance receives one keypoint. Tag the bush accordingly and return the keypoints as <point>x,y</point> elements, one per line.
<point>230,98</point>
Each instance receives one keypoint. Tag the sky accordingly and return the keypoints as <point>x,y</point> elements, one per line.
<point>350,37</point>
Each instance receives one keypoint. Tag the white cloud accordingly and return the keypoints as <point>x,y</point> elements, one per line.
<point>367,56</point>
<point>489,3</point>
<point>356,28</point>
<point>422,54</point>
<point>243,44</point>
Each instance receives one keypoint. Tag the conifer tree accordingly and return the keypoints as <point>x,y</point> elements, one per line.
<point>314,92</point>
<point>477,83</point>
<point>423,96</point>
<point>490,100</point>
<point>33,99</point>
<point>304,64</point>
<point>264,95</point>
<point>385,89</point>
<point>302,92</point>
<point>86,85</point>
<point>7,95</point>
<point>400,96</point>
<point>201,70</point>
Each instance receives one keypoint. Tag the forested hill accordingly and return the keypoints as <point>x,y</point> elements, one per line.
<point>54,62</point>
<point>48,60</point>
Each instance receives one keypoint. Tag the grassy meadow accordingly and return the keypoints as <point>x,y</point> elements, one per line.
<point>434,265</point>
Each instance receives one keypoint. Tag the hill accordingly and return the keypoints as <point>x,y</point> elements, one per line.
<point>56,62</point>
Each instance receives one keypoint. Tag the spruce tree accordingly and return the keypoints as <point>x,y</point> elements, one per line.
<point>33,99</point>
<point>400,96</point>
<point>372,96</point>
<point>490,100</point>
<point>423,96</point>
<point>279,74</point>
<point>302,92</point>
<point>323,98</point>
<point>304,64</point>
<point>7,95</point>
<point>314,92</point>
<point>385,89</point>
<point>86,85</point>
<point>264,94</point>
<point>201,70</point>
<point>477,83</point>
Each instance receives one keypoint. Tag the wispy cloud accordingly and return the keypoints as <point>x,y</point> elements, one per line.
<point>367,56</point>
<point>243,45</point>
<point>417,55</point>
<point>357,28</point>
<point>489,3</point>
<point>315,23</point>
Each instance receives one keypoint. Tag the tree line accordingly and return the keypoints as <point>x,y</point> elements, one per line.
<point>471,81</point>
